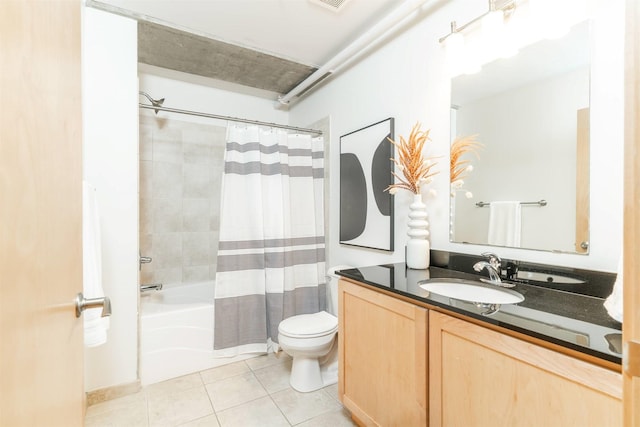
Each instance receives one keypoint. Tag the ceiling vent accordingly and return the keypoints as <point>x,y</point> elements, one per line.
<point>335,5</point>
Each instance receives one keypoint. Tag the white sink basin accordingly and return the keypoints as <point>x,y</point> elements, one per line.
<point>548,278</point>
<point>476,293</point>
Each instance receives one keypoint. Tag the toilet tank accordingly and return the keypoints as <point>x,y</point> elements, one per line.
<point>332,288</point>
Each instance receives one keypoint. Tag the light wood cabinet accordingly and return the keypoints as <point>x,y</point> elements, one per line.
<point>383,360</point>
<point>480,377</point>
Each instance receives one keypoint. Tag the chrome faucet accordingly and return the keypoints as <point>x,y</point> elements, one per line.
<point>494,260</point>
<point>494,277</point>
<point>494,267</point>
<point>151,287</point>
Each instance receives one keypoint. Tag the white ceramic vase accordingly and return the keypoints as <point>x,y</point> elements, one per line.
<point>418,244</point>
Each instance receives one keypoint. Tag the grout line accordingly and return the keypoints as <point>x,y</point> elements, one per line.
<point>215,413</point>
<point>279,409</point>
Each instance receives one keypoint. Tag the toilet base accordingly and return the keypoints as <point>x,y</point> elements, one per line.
<point>307,374</point>
<point>310,373</point>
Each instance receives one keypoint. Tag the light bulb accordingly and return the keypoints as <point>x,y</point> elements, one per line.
<point>492,29</point>
<point>512,35</point>
<point>492,24</point>
<point>455,51</point>
<point>472,58</point>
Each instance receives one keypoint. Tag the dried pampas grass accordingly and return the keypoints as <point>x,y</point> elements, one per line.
<point>458,166</point>
<point>416,170</point>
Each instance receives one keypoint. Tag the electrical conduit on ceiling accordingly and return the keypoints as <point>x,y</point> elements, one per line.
<point>357,47</point>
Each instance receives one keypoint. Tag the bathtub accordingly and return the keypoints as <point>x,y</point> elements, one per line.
<point>176,333</point>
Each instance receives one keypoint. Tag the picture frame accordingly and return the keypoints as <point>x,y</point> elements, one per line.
<point>366,209</point>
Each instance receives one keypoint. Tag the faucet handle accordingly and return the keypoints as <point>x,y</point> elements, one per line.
<point>494,260</point>
<point>492,257</point>
<point>512,270</point>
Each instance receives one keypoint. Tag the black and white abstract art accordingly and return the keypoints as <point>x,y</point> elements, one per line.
<point>366,210</point>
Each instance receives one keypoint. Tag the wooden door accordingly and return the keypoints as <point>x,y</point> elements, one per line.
<point>41,356</point>
<point>383,357</point>
<point>631,321</point>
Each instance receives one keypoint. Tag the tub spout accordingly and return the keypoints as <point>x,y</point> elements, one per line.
<point>151,287</point>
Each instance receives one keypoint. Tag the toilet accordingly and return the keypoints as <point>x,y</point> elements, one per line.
<point>311,340</point>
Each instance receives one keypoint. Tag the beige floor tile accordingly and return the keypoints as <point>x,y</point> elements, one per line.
<point>172,409</point>
<point>235,391</point>
<point>275,377</point>
<point>267,360</point>
<point>299,407</point>
<point>332,390</point>
<point>133,415</point>
<point>224,372</point>
<point>340,418</point>
<point>259,413</point>
<point>239,392</point>
<point>208,421</point>
<point>122,403</point>
<point>173,385</point>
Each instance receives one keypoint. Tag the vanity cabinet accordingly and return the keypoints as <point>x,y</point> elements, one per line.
<point>383,357</point>
<point>481,377</point>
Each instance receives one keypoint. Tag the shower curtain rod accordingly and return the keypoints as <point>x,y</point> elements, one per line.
<point>157,108</point>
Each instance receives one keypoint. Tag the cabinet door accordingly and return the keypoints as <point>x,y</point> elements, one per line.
<point>383,357</point>
<point>480,377</point>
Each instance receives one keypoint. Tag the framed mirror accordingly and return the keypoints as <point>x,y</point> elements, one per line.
<point>529,186</point>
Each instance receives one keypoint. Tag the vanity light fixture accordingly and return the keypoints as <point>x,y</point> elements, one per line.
<point>455,51</point>
<point>492,23</point>
<point>505,10</point>
<point>467,57</point>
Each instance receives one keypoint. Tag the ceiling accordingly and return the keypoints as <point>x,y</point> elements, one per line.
<point>270,45</point>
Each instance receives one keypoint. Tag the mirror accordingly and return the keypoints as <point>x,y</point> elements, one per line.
<point>531,114</point>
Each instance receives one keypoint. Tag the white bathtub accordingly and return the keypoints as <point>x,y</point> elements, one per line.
<point>176,333</point>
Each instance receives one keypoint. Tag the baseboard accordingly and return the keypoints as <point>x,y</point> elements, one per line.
<point>114,392</point>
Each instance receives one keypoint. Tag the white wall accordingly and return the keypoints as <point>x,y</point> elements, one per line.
<point>405,78</point>
<point>110,122</point>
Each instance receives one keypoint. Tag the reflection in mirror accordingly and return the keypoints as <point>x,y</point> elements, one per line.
<point>531,114</point>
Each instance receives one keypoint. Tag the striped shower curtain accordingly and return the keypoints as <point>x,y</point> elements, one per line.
<point>271,255</point>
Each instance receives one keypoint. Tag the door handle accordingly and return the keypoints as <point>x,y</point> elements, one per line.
<point>83,303</point>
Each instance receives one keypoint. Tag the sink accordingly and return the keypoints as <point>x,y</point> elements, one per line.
<point>475,292</point>
<point>546,277</point>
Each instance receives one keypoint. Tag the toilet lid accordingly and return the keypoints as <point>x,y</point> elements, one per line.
<point>309,325</point>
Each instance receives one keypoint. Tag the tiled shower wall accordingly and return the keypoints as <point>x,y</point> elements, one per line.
<point>181,166</point>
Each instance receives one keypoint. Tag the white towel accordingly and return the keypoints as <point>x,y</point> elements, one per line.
<point>505,224</point>
<point>95,326</point>
<point>613,303</point>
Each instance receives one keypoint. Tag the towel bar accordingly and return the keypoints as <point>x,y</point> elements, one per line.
<point>539,203</point>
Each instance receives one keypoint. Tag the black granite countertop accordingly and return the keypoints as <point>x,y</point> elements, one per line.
<point>572,320</point>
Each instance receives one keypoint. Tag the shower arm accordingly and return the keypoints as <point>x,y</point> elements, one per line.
<point>154,102</point>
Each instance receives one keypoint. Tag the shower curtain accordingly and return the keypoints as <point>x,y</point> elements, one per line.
<point>271,253</point>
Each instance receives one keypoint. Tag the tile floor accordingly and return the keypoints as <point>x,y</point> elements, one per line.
<point>253,392</point>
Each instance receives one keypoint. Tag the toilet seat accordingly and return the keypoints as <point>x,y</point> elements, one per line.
<point>309,325</point>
